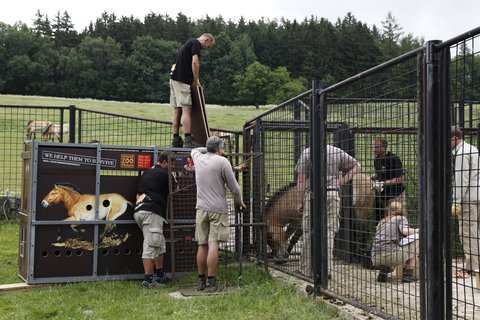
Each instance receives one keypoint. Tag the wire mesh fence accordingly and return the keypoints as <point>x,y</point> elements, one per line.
<point>382,118</point>
<point>465,114</point>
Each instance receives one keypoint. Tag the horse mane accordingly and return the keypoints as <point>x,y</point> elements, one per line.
<point>271,201</point>
<point>68,185</point>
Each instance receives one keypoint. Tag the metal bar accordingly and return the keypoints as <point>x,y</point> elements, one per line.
<point>435,164</point>
<point>71,132</point>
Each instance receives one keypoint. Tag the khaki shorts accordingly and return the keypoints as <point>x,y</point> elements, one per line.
<point>398,257</point>
<point>152,228</point>
<point>180,94</point>
<point>211,227</point>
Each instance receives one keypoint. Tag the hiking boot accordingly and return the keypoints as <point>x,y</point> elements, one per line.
<point>148,285</point>
<point>408,275</point>
<point>190,143</point>
<point>383,274</point>
<point>163,280</point>
<point>177,142</point>
<point>202,284</point>
<point>212,286</point>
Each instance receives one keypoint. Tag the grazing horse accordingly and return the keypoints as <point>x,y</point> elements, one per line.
<point>34,126</point>
<point>54,130</point>
<point>281,211</point>
<point>82,206</point>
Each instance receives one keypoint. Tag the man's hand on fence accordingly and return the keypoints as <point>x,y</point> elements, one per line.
<point>456,209</point>
<point>378,185</point>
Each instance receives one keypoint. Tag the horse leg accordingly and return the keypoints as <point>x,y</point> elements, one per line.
<point>294,239</point>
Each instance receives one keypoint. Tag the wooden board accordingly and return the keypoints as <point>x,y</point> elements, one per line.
<point>200,130</point>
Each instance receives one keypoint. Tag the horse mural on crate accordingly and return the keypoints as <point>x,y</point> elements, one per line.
<point>284,221</point>
<point>55,130</point>
<point>81,207</point>
<point>34,126</point>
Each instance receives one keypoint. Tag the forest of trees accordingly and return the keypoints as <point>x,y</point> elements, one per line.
<point>252,62</point>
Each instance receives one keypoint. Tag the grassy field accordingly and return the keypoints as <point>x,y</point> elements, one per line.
<point>223,117</point>
<point>260,296</point>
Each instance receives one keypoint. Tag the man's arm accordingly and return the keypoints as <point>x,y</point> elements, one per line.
<point>233,185</point>
<point>349,176</point>
<point>196,70</point>
<point>301,187</point>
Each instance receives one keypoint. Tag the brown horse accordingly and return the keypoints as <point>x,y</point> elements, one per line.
<point>284,221</point>
<point>82,206</point>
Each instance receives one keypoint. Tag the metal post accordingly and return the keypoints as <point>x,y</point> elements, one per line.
<point>436,161</point>
<point>71,131</point>
<point>318,190</point>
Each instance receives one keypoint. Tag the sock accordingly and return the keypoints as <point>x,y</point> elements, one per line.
<point>176,135</point>
<point>160,273</point>
<point>201,276</point>
<point>149,277</point>
<point>188,134</point>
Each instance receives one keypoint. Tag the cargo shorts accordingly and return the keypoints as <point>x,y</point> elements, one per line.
<point>211,227</point>
<point>180,94</point>
<point>153,238</point>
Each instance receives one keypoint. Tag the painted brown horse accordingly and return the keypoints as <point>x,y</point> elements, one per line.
<point>82,206</point>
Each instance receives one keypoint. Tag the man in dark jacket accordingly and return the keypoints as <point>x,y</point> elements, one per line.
<point>150,213</point>
<point>388,179</point>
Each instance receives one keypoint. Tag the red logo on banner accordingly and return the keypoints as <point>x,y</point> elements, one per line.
<point>144,161</point>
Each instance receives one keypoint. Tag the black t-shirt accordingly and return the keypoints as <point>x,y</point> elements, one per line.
<point>388,167</point>
<point>154,183</point>
<point>183,65</point>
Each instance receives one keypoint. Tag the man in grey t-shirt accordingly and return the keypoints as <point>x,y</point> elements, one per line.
<point>338,162</point>
<point>213,175</point>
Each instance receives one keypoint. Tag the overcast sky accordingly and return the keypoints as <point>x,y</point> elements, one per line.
<point>431,19</point>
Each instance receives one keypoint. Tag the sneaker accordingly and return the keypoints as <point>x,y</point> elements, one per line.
<point>383,274</point>
<point>190,143</point>
<point>163,280</point>
<point>148,285</point>
<point>202,284</point>
<point>177,142</point>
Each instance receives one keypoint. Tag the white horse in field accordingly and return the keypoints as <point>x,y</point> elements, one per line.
<point>34,126</point>
<point>54,130</point>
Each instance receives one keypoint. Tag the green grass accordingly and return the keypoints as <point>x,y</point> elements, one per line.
<point>261,296</point>
<point>8,253</point>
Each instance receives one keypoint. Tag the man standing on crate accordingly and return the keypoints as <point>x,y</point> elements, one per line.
<point>213,175</point>
<point>150,213</point>
<point>185,73</point>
